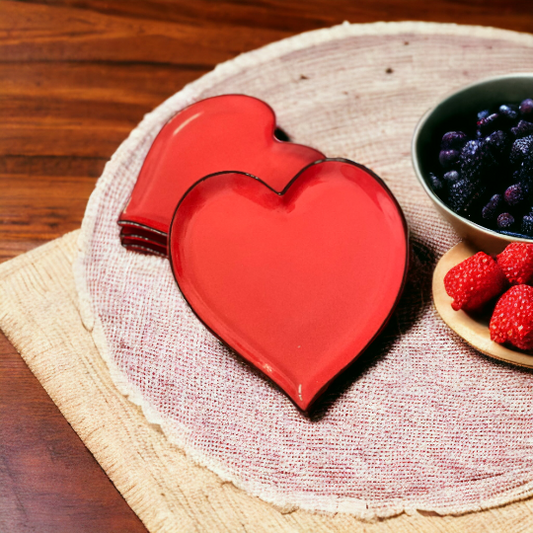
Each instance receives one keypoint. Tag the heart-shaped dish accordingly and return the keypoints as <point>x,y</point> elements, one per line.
<point>298,282</point>
<point>228,132</point>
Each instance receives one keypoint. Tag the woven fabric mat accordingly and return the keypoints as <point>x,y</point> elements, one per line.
<point>424,422</point>
<point>169,492</point>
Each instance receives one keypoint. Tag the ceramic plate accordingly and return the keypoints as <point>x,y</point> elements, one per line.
<point>297,282</point>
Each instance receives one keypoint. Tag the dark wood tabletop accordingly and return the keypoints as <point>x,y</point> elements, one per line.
<point>76,76</point>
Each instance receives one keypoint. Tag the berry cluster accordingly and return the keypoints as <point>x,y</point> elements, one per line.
<point>476,282</point>
<point>487,176</point>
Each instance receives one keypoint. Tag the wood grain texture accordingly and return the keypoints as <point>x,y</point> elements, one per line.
<point>49,480</point>
<point>75,78</point>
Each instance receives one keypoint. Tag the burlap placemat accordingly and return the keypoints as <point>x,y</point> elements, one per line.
<point>39,314</point>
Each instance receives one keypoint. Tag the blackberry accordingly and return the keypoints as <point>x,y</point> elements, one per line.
<point>526,170</point>
<point>520,148</point>
<point>487,172</point>
<point>465,195</point>
<point>522,129</point>
<point>475,160</point>
<point>498,142</point>
<point>436,183</point>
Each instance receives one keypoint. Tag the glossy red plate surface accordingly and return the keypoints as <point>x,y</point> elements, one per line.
<point>299,282</point>
<point>229,132</point>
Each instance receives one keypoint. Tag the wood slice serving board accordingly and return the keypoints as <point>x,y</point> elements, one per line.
<point>475,331</point>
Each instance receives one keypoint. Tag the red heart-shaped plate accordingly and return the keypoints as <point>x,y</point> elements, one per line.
<point>228,132</point>
<point>298,282</point>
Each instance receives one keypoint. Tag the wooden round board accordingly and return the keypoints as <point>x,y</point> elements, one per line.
<point>474,331</point>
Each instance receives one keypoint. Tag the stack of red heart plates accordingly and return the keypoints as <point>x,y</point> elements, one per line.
<point>230,132</point>
<point>295,266</point>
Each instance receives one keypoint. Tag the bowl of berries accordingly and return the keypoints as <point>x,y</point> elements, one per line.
<point>473,155</point>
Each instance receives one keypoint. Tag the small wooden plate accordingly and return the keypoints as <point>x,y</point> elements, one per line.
<point>475,331</point>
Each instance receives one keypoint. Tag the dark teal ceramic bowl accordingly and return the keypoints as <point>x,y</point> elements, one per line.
<point>448,115</point>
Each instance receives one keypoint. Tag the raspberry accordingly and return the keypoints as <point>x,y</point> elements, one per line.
<point>512,319</point>
<point>474,282</point>
<point>516,262</point>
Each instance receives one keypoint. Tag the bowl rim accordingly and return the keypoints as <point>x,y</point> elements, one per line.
<point>416,165</point>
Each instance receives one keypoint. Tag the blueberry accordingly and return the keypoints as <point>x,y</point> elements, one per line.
<point>526,107</point>
<point>490,211</point>
<point>522,129</point>
<point>483,114</point>
<point>453,140</point>
<point>448,158</point>
<point>515,194</point>
<point>451,176</point>
<point>527,225</point>
<point>509,112</point>
<point>505,221</point>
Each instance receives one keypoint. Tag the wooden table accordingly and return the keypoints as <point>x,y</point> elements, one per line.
<point>75,77</point>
